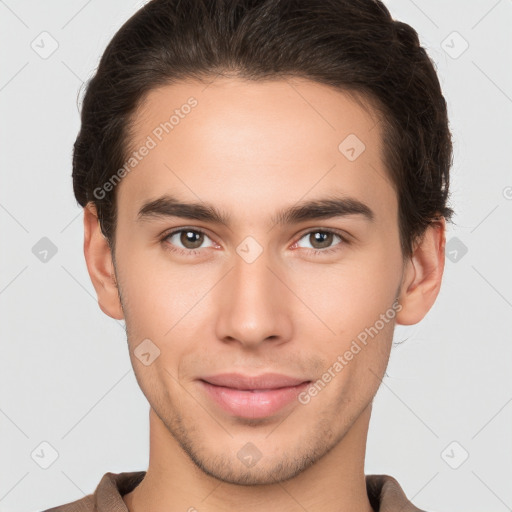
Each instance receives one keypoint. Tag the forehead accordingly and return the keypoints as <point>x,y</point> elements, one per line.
<point>255,144</point>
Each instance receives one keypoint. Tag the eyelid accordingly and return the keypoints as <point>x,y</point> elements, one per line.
<point>321,229</point>
<point>173,231</point>
<point>344,237</point>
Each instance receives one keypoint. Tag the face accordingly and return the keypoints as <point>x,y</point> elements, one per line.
<point>263,286</point>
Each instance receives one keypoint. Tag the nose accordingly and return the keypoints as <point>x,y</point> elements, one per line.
<point>255,304</point>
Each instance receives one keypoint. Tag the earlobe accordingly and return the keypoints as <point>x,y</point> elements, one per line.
<point>423,275</point>
<point>98,258</point>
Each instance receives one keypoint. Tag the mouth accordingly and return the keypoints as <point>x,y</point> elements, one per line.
<point>252,396</point>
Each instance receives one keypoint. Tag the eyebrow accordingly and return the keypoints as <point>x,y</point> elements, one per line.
<point>329,207</point>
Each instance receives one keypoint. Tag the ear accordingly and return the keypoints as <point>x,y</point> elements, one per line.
<point>98,258</point>
<point>423,274</point>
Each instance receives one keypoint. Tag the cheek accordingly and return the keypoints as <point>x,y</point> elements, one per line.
<point>158,295</point>
<point>348,296</point>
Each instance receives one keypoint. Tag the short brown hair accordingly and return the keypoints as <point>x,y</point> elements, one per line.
<point>353,45</point>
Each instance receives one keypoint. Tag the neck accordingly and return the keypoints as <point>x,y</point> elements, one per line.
<point>174,483</point>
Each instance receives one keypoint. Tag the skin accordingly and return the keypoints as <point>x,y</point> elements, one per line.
<point>252,148</point>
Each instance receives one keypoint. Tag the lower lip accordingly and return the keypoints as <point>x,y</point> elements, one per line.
<point>252,404</point>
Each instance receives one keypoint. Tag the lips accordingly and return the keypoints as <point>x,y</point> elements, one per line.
<point>243,382</point>
<point>252,396</point>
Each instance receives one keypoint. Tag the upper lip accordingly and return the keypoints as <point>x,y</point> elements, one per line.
<point>245,382</point>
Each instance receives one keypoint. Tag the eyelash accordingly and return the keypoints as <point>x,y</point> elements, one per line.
<point>194,252</point>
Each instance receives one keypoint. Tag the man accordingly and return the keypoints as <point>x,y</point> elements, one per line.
<point>265,190</point>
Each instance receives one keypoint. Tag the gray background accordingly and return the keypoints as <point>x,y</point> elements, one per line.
<point>66,377</point>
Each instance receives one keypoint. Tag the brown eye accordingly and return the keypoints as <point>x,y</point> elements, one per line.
<point>186,239</point>
<point>191,239</point>
<point>321,239</point>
